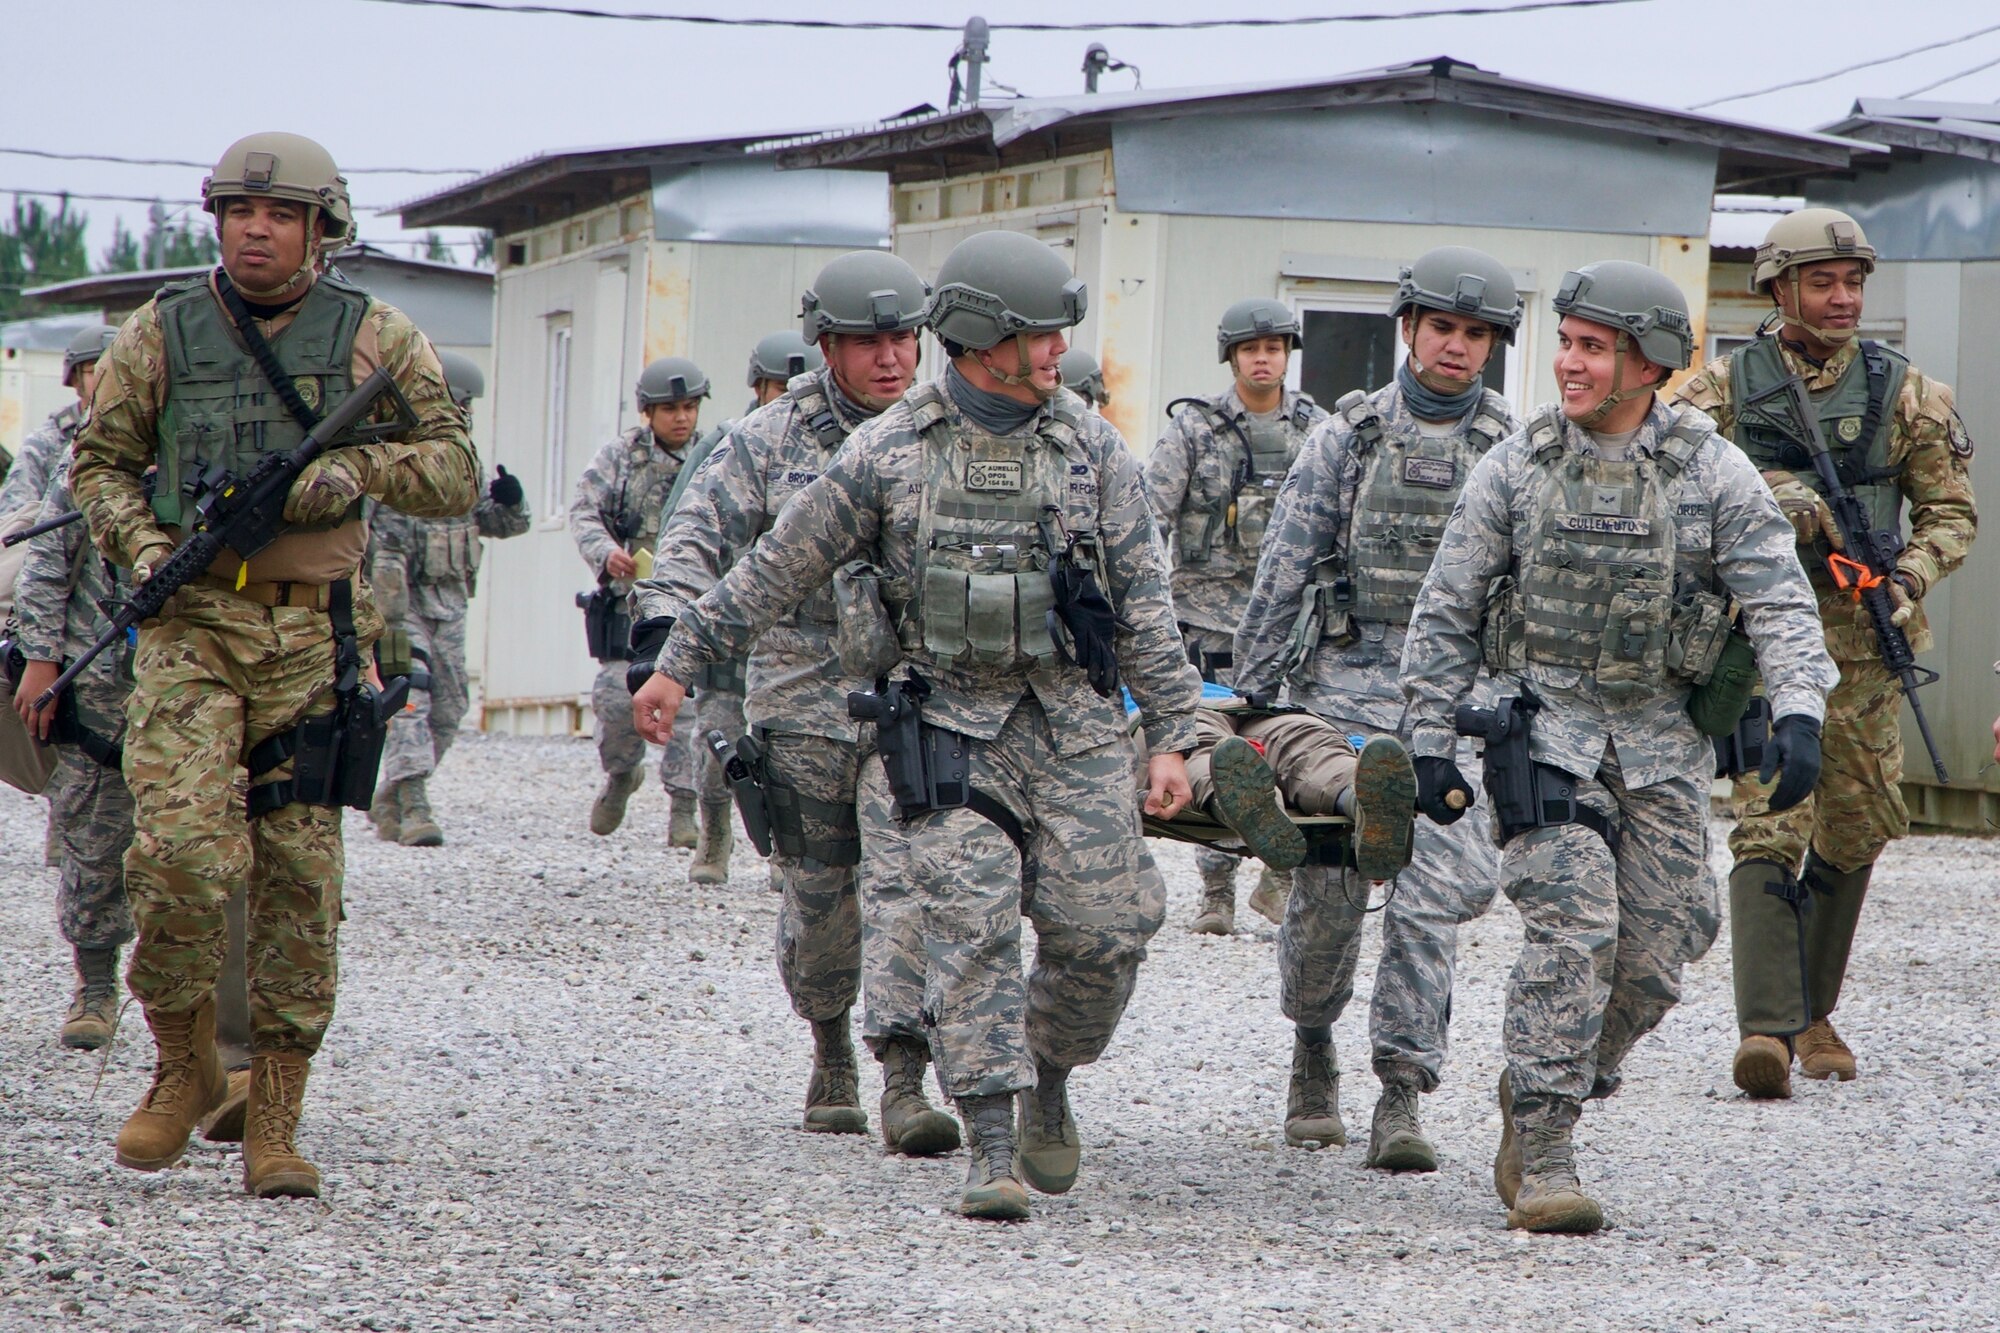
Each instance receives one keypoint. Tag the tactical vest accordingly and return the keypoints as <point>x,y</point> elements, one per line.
<point>1855,419</point>
<point>451,550</point>
<point>219,407</point>
<point>982,586</point>
<point>815,409</point>
<point>1243,512</point>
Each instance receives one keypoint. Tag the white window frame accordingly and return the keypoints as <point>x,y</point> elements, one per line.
<point>555,440</point>
<point>1360,296</point>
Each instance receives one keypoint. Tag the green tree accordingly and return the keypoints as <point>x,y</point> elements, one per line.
<point>38,247</point>
<point>482,248</point>
<point>436,250</point>
<point>123,254</point>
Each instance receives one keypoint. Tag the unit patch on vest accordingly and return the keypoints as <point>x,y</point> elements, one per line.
<point>1000,474</point>
<point>1610,525</point>
<point>1438,473</point>
<point>1849,429</point>
<point>308,387</point>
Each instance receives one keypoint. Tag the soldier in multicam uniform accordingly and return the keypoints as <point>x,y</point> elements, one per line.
<point>1211,481</point>
<point>620,501</point>
<point>1082,376</point>
<point>424,572</point>
<point>864,310</point>
<point>1588,563</point>
<point>1896,437</point>
<point>1351,538</point>
<point>776,360</point>
<point>963,496</point>
<point>28,479</point>
<point>246,653</point>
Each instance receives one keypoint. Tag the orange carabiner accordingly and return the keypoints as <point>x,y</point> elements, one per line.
<point>1851,575</point>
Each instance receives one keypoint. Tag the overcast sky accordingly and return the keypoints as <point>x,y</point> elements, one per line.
<point>388,86</point>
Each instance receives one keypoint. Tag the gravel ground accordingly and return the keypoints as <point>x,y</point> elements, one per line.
<point>562,1092</point>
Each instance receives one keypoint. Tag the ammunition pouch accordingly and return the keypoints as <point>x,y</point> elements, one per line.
<point>928,767</point>
<point>742,767</point>
<point>1503,634</point>
<point>864,639</point>
<point>1525,795</point>
<point>393,654</point>
<point>787,809</point>
<point>607,627</point>
<point>1717,705</point>
<point>1740,750</point>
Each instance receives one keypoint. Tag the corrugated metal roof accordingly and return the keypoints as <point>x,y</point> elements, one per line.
<point>1961,129</point>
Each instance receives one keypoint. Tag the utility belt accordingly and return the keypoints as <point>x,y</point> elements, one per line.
<point>775,812</point>
<point>1526,794</point>
<point>928,767</point>
<point>305,596</point>
<point>334,754</point>
<point>607,626</point>
<point>66,726</point>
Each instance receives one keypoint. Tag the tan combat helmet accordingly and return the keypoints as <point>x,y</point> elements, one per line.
<point>1810,236</point>
<point>274,165</point>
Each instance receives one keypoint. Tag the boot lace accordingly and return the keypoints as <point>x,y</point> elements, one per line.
<point>1312,1079</point>
<point>280,1093</point>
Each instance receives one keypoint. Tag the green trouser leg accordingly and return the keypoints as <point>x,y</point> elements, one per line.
<point>1768,933</point>
<point>1836,911</point>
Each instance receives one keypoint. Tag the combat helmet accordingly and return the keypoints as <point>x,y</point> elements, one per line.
<point>670,380</point>
<point>1459,280</point>
<point>781,355</point>
<point>274,165</point>
<point>90,343</point>
<point>462,377</point>
<point>1257,317</point>
<point>1809,236</point>
<point>862,291</point>
<point>1082,375</point>
<point>1645,306</point>
<point>998,285</point>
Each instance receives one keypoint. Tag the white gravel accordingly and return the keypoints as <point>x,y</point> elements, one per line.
<point>562,1092</point>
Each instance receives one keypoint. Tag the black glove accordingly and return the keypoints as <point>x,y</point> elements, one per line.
<point>1437,778</point>
<point>505,489</point>
<point>1086,613</point>
<point>1794,747</point>
<point>648,637</point>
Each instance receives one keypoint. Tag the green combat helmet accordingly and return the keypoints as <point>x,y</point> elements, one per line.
<point>88,345</point>
<point>1082,375</point>
<point>274,165</point>
<point>670,380</point>
<point>862,292</point>
<point>998,285</point>
<point>1810,236</point>
<point>1644,306</point>
<point>1257,317</point>
<point>462,377</point>
<point>1459,280</point>
<point>781,355</point>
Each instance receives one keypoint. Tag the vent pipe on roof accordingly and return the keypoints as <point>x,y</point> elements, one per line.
<point>1097,61</point>
<point>973,52</point>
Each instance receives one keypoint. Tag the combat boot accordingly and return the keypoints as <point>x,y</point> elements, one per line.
<point>1822,1054</point>
<point>93,1010</point>
<point>711,857</point>
<point>683,827</point>
<point>1218,896</point>
<point>607,812</point>
<point>1312,1105</point>
<point>833,1097</point>
<point>1246,799</point>
<point>386,814</point>
<point>1763,1067</point>
<point>1507,1162</point>
<point>187,1083</point>
<point>1272,894</point>
<point>225,1123</point>
<point>910,1124</point>
<point>1396,1140</point>
<point>419,829</point>
<point>1550,1197</point>
<point>1050,1149</point>
<point>993,1176</point>
<point>1385,808</point>
<point>272,1167</point>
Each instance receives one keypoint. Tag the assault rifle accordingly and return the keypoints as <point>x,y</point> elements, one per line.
<point>1866,566</point>
<point>46,525</point>
<point>243,514</point>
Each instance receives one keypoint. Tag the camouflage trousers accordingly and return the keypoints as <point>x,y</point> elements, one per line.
<point>1605,937</point>
<point>427,726</point>
<point>819,921</point>
<point>90,812</point>
<point>1857,807</point>
<point>620,747</point>
<point>214,678</point>
<point>719,710</point>
<point>961,889</point>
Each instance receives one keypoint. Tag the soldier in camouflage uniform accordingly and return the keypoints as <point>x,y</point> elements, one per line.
<point>1896,437</point>
<point>614,516</point>
<point>246,653</point>
<point>424,572</point>
<point>963,496</point>
<point>865,310</point>
<point>1609,870</point>
<point>1083,377</point>
<point>28,479</point>
<point>1211,481</point>
<point>1351,539</point>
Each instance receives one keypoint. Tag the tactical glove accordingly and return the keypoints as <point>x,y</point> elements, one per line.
<point>1793,747</point>
<point>330,485</point>
<point>1086,613</point>
<point>648,637</point>
<point>1437,778</point>
<point>1903,595</point>
<point>505,488</point>
<point>1811,520</point>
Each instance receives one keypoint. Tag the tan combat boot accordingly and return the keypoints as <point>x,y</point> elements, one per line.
<point>1272,894</point>
<point>1763,1067</point>
<point>833,1096</point>
<point>993,1188</point>
<point>607,812</point>
<point>718,839</point>
<point>187,1083</point>
<point>683,827</point>
<point>1312,1103</point>
<point>386,814</point>
<point>1050,1150</point>
<point>1822,1054</point>
<point>419,828</point>
<point>93,1010</point>
<point>1218,900</point>
<point>272,1167</point>
<point>1550,1197</point>
<point>1396,1139</point>
<point>910,1124</point>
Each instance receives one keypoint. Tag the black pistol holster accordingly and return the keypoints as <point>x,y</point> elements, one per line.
<point>607,627</point>
<point>1526,794</point>
<point>1742,750</point>
<point>742,768</point>
<point>928,767</point>
<point>335,754</point>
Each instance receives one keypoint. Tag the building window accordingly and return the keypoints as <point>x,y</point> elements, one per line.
<point>556,460</point>
<point>1345,350</point>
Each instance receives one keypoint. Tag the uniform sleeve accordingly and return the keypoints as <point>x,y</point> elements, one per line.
<point>1167,471</point>
<point>28,478</point>
<point>1709,391</point>
<point>43,588</point>
<point>1441,650</point>
<point>1937,482</point>
<point>497,520</point>
<point>595,497</point>
<point>1757,559</point>
<point>118,441</point>
<point>1152,660</point>
<point>433,471</point>
<point>721,510</point>
<point>1305,522</point>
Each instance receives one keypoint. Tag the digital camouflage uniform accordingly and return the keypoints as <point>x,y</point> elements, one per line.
<point>906,494</point>
<point>28,479</point>
<point>719,692</point>
<point>1924,456</point>
<point>1369,505</point>
<point>225,668</point>
<point>1211,481</point>
<point>619,502</point>
<point>1606,935</point>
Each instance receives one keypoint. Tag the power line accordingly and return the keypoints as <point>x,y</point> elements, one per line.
<point>204,166</point>
<point>897,25</point>
<point>1954,78</point>
<point>1849,69</point>
<point>103,198</point>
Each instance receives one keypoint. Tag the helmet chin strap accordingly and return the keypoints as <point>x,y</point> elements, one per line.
<point>1447,385</point>
<point>1024,378</point>
<point>272,295</point>
<point>1831,337</point>
<point>1619,394</point>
